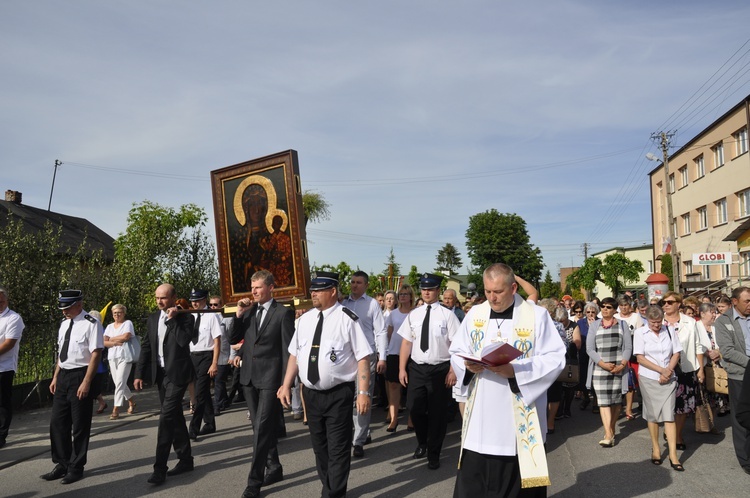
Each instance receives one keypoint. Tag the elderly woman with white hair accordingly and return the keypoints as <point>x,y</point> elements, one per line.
<point>116,335</point>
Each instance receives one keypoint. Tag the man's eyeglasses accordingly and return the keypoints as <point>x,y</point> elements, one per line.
<point>591,311</point>
<point>577,311</point>
<point>607,307</point>
<point>668,302</point>
<point>214,305</point>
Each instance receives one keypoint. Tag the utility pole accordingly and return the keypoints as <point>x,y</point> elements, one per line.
<point>664,139</point>
<point>57,163</point>
<point>585,246</point>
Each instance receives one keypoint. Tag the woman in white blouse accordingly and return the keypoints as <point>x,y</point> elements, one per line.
<point>115,337</point>
<point>658,356</point>
<point>393,322</point>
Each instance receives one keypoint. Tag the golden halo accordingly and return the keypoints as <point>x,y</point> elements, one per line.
<point>264,182</point>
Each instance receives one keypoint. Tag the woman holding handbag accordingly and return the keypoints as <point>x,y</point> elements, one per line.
<point>117,338</point>
<point>708,313</point>
<point>658,355</point>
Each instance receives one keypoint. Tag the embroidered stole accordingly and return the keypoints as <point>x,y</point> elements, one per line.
<point>529,443</point>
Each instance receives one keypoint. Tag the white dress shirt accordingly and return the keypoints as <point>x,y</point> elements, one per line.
<point>342,345</point>
<point>86,337</point>
<point>11,327</point>
<point>443,326</point>
<point>372,322</point>
<point>210,329</point>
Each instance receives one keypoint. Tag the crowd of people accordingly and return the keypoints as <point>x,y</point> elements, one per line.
<point>420,361</point>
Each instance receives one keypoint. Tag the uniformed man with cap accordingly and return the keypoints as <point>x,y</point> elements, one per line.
<point>204,351</point>
<point>80,341</point>
<point>427,332</point>
<point>330,351</point>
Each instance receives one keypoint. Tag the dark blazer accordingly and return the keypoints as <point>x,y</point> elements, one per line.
<point>177,363</point>
<point>265,352</point>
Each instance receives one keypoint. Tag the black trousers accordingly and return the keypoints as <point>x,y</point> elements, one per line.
<point>204,407</point>
<point>491,476</point>
<point>172,425</point>
<point>329,417</point>
<point>235,388</point>
<point>6,402</point>
<point>264,410</point>
<point>220,387</point>
<point>70,423</point>
<point>428,400</point>
<point>740,435</point>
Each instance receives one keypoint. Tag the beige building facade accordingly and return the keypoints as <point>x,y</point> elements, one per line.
<point>644,254</point>
<point>709,178</point>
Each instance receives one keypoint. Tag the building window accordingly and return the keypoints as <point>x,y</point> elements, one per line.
<point>721,211</point>
<point>745,264</point>
<point>724,271</point>
<point>740,139</point>
<point>706,270</point>
<point>744,203</point>
<point>674,228</point>
<point>718,155</point>
<point>700,167</point>
<point>671,183</point>
<point>702,218</point>
<point>650,266</point>
<point>684,176</point>
<point>686,224</point>
<point>688,267</point>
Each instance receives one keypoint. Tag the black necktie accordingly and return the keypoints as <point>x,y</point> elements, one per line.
<point>424,340</point>
<point>196,335</point>
<point>313,374</point>
<point>66,343</point>
<point>258,318</point>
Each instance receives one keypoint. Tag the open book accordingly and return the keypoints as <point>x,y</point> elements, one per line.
<point>494,354</point>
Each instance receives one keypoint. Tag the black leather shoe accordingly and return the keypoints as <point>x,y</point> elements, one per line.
<point>158,477</point>
<point>58,472</point>
<point>251,493</point>
<point>273,478</point>
<point>433,465</point>
<point>207,429</point>
<point>71,477</point>
<point>193,436</point>
<point>181,467</point>
<point>358,452</point>
<point>368,440</point>
<point>420,452</point>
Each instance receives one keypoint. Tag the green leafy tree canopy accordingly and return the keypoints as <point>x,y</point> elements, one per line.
<point>615,272</point>
<point>493,237</point>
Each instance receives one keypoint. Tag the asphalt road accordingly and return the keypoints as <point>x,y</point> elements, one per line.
<point>122,452</point>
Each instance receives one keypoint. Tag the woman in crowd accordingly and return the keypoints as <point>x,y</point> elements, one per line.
<point>555,391</point>
<point>573,345</point>
<point>690,307</point>
<point>705,326</point>
<point>393,322</point>
<point>390,303</point>
<point>609,347</point>
<point>100,379</point>
<point>634,321</point>
<point>658,356</point>
<point>723,303</point>
<point>691,360</point>
<point>115,336</point>
<point>590,310</point>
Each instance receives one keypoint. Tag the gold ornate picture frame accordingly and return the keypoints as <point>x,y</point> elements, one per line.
<point>260,226</point>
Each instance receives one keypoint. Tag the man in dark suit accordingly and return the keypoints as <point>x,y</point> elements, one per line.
<point>267,328</point>
<point>165,353</point>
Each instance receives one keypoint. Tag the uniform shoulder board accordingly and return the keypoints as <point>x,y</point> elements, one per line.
<point>90,318</point>
<point>351,314</point>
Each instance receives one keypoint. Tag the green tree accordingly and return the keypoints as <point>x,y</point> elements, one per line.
<point>493,237</point>
<point>413,279</point>
<point>315,207</point>
<point>448,259</point>
<point>550,288</point>
<point>345,275</point>
<point>149,252</point>
<point>391,267</point>
<point>615,272</point>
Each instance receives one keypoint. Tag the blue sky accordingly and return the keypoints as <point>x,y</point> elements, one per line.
<point>409,117</point>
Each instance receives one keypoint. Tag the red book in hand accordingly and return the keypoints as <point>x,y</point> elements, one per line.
<point>494,355</point>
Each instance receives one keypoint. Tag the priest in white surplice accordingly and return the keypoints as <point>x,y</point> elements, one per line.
<point>505,419</point>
